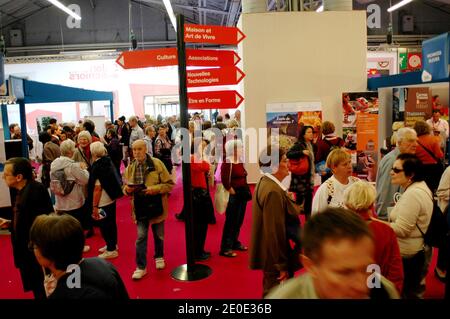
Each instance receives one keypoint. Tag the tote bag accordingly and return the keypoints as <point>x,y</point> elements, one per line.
<point>222,196</point>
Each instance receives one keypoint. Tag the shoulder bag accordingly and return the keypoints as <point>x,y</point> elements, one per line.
<point>222,196</point>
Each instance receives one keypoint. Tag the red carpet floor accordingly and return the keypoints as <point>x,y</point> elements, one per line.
<point>231,277</point>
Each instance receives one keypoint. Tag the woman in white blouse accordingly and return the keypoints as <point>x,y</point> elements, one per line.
<point>410,218</point>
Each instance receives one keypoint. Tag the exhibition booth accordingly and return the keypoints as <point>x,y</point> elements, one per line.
<point>408,97</point>
<point>23,92</point>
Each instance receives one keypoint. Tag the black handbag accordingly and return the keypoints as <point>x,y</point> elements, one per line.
<point>147,207</point>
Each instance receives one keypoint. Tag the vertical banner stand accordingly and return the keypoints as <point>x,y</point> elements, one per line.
<point>190,271</point>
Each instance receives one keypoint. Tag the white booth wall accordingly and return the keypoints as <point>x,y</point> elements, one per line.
<point>300,56</point>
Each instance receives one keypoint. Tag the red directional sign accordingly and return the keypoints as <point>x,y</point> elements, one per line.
<point>214,100</point>
<point>211,77</point>
<point>212,34</point>
<point>211,58</point>
<point>169,56</point>
<point>147,58</point>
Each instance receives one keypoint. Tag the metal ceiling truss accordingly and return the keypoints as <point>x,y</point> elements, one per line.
<point>215,14</point>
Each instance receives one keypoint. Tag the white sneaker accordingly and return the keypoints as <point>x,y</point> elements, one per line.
<point>103,249</point>
<point>139,273</point>
<point>160,264</point>
<point>86,248</point>
<point>109,254</point>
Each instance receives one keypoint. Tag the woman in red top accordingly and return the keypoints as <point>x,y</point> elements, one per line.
<point>429,152</point>
<point>325,146</point>
<point>234,179</point>
<point>201,200</point>
<point>360,198</point>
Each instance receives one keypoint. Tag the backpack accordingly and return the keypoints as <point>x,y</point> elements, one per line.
<point>321,167</point>
<point>437,229</point>
<point>333,146</point>
<point>59,184</point>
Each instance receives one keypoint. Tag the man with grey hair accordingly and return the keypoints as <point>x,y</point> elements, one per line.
<point>73,202</point>
<point>148,183</point>
<point>406,143</point>
<point>136,132</point>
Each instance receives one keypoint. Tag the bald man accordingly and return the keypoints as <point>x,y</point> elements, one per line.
<point>148,183</point>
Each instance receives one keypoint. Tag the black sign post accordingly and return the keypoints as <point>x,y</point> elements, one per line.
<point>190,271</point>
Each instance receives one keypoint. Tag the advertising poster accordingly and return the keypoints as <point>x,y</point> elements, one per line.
<point>358,102</point>
<point>289,118</point>
<point>417,105</point>
<point>367,146</point>
<point>360,131</point>
<point>435,52</point>
<point>310,118</point>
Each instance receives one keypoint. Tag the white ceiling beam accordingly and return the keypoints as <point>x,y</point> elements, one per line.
<point>191,8</point>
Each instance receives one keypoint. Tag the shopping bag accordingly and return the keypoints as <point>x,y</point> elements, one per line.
<point>221,199</point>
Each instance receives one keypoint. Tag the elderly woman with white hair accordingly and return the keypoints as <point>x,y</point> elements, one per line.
<point>360,198</point>
<point>72,202</point>
<point>233,131</point>
<point>234,179</point>
<point>83,152</point>
<point>105,185</point>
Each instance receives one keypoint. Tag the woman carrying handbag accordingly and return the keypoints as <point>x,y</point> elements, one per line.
<point>234,179</point>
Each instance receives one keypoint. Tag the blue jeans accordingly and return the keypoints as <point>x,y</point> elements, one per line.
<point>234,217</point>
<point>141,242</point>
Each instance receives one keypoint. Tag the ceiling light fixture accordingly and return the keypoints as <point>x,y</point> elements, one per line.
<point>320,9</point>
<point>398,5</point>
<point>58,4</point>
<point>170,13</point>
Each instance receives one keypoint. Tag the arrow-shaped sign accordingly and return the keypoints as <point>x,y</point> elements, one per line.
<point>212,34</point>
<point>211,77</point>
<point>147,58</point>
<point>214,100</point>
<point>169,56</point>
<point>211,58</point>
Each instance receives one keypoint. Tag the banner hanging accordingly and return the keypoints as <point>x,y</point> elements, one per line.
<point>360,131</point>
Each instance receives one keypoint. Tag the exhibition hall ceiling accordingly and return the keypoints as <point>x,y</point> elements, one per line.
<point>223,12</point>
<point>36,27</point>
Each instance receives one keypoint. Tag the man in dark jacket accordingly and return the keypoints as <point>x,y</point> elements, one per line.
<point>123,133</point>
<point>32,199</point>
<point>219,123</point>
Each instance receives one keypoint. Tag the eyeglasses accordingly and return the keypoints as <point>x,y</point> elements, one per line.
<point>396,170</point>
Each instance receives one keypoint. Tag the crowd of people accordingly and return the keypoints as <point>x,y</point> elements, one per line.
<point>351,225</point>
